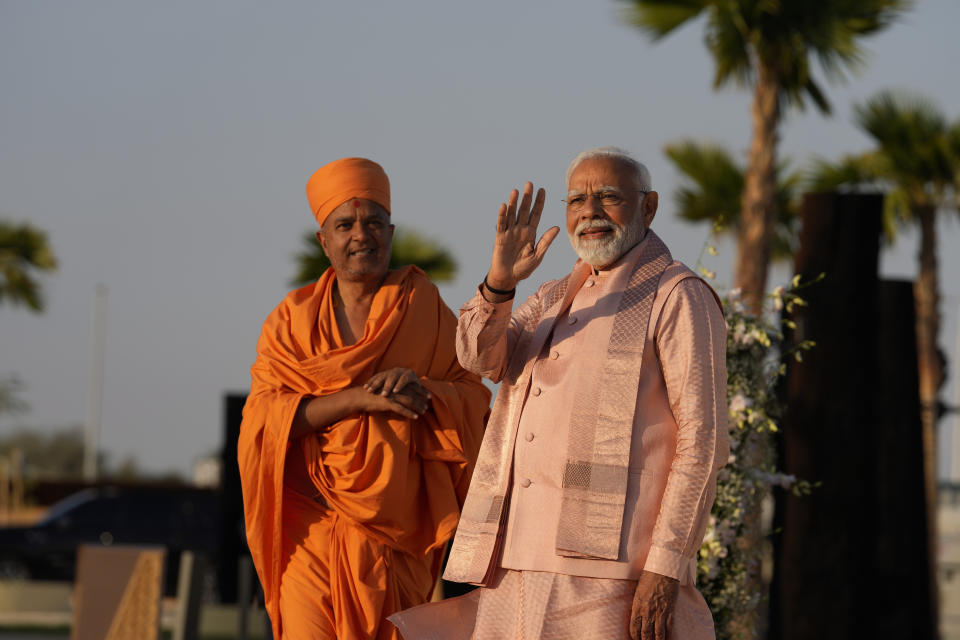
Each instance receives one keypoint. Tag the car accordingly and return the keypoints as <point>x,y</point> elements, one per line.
<point>179,519</point>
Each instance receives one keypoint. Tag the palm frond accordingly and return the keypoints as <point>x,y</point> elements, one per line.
<point>713,187</point>
<point>784,35</point>
<point>410,247</point>
<point>25,252</point>
<point>713,183</point>
<point>659,18</point>
<point>914,136</point>
<point>728,39</point>
<point>850,172</point>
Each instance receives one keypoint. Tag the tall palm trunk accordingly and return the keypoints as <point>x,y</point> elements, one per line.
<point>753,257</point>
<point>926,293</point>
<point>760,182</point>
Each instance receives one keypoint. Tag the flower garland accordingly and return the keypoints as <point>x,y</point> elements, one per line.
<point>728,570</point>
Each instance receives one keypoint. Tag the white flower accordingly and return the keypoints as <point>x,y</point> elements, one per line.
<point>777,295</point>
<point>740,333</point>
<point>739,403</point>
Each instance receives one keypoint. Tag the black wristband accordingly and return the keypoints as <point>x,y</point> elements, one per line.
<point>498,292</point>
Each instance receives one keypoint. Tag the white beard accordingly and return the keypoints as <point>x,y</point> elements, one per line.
<point>605,251</point>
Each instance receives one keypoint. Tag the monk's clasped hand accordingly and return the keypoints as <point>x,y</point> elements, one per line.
<point>401,387</point>
<point>516,252</point>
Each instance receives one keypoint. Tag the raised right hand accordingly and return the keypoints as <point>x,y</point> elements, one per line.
<point>514,254</point>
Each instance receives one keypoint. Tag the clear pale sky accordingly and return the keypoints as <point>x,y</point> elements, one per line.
<point>165,147</point>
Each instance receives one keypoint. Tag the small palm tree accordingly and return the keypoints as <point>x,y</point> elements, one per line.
<point>713,190</point>
<point>24,252</point>
<point>770,47</point>
<point>409,247</point>
<point>10,402</point>
<point>916,161</point>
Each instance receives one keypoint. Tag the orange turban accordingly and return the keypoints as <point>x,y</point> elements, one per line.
<point>335,183</point>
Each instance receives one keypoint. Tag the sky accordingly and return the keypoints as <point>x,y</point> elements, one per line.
<point>165,147</point>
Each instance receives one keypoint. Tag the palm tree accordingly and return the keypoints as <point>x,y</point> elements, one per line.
<point>770,46</point>
<point>24,251</point>
<point>713,191</point>
<point>917,162</point>
<point>409,247</point>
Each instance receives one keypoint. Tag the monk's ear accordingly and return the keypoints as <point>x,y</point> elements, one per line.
<point>320,239</point>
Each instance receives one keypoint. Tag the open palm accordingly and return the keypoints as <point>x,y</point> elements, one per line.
<point>516,253</point>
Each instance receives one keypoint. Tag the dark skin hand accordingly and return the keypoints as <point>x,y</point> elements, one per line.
<point>651,617</point>
<point>402,386</point>
<point>396,391</point>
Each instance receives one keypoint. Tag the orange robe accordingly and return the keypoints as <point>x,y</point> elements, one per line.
<point>349,522</point>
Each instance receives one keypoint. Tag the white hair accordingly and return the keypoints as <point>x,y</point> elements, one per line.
<point>642,173</point>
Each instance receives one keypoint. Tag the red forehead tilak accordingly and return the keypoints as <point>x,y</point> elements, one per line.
<point>356,204</point>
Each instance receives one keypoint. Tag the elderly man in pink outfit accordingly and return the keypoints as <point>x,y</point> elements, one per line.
<point>598,468</point>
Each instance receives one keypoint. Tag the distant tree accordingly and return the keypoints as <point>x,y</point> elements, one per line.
<point>24,252</point>
<point>128,469</point>
<point>47,453</point>
<point>10,401</point>
<point>712,191</point>
<point>409,247</point>
<point>916,161</point>
<point>771,47</point>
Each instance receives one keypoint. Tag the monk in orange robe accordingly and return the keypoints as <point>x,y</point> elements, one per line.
<point>360,431</point>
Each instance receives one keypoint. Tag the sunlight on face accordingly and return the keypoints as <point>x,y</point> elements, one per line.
<point>356,238</point>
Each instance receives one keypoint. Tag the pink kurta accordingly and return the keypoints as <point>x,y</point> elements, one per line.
<point>679,442</point>
<point>680,437</point>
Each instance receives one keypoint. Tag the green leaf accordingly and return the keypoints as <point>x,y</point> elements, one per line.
<point>25,253</point>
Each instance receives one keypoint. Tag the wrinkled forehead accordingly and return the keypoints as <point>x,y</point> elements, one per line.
<point>603,174</point>
<point>596,188</point>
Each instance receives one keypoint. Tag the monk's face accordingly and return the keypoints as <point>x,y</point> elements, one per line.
<point>356,237</point>
<point>607,213</point>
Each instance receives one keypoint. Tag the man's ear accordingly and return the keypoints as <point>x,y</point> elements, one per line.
<point>320,239</point>
<point>648,208</point>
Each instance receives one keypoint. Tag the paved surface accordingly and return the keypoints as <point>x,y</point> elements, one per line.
<point>223,619</point>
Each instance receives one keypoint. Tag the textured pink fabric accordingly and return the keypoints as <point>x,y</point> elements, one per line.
<point>679,442</point>
<point>680,436</point>
<point>534,605</point>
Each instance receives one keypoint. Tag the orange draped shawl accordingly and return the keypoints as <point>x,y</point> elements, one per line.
<point>399,481</point>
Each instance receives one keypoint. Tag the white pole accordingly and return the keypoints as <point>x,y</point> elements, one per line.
<point>91,442</point>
